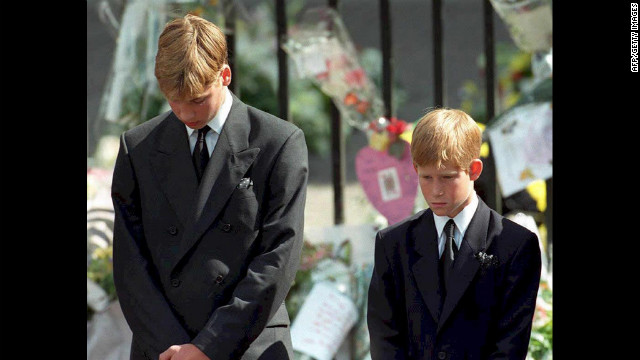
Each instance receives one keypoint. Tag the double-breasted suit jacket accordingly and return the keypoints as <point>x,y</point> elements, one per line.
<point>209,263</point>
<point>489,306</point>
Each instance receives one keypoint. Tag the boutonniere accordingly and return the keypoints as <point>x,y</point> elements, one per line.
<point>486,260</point>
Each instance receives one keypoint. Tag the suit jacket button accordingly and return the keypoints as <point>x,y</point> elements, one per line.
<point>442,355</point>
<point>226,227</point>
<point>172,230</point>
<point>175,282</point>
<point>219,279</point>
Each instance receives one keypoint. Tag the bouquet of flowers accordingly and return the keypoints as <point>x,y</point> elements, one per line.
<point>390,135</point>
<point>529,22</point>
<point>322,51</point>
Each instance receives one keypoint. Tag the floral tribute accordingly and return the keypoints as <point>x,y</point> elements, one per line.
<point>541,342</point>
<point>529,22</point>
<point>324,262</point>
<point>322,51</point>
<point>390,135</point>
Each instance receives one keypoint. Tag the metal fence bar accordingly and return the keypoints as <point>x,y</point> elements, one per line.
<point>548,220</point>
<point>438,73</point>
<point>489,53</point>
<point>492,197</point>
<point>230,30</point>
<point>387,57</point>
<point>283,68</point>
<point>338,163</point>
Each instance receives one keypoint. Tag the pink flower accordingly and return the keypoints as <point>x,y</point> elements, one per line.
<point>355,78</point>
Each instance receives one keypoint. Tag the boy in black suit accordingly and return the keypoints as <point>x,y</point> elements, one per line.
<point>457,280</point>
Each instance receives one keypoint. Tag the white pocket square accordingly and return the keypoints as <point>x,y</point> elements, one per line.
<point>245,183</point>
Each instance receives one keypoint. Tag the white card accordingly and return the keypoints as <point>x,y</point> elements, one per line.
<point>323,322</point>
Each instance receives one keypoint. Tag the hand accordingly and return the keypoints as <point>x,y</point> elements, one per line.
<point>183,352</point>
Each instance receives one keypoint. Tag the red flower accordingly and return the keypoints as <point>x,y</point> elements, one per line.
<point>516,76</point>
<point>350,99</point>
<point>362,107</point>
<point>396,126</point>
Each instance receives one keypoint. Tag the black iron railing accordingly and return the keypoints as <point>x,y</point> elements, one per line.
<point>490,191</point>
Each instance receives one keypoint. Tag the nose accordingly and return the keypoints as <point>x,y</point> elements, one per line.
<point>438,189</point>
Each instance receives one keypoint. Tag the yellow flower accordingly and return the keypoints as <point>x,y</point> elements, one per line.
<point>407,134</point>
<point>484,150</point>
<point>379,141</point>
<point>511,99</point>
<point>538,191</point>
<point>520,62</point>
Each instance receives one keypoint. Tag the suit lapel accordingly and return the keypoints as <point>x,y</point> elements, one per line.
<point>174,169</point>
<point>425,240</point>
<point>466,265</point>
<point>229,162</point>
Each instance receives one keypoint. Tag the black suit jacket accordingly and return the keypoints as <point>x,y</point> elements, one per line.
<point>487,312</point>
<point>209,263</point>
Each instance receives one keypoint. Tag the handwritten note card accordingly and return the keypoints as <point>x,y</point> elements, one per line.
<point>522,145</point>
<point>323,322</point>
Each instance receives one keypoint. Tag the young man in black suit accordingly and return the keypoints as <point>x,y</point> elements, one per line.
<point>205,250</point>
<point>457,280</point>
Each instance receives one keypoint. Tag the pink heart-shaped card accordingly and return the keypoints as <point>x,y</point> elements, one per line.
<point>391,184</point>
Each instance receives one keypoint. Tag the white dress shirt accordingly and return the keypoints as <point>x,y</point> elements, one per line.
<point>461,220</point>
<point>215,124</point>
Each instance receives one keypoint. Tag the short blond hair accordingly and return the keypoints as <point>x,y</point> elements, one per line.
<point>444,135</point>
<point>191,53</point>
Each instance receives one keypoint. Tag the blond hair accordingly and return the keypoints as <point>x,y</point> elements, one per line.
<point>444,135</point>
<point>191,53</point>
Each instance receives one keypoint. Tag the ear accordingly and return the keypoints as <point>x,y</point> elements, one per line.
<point>475,169</point>
<point>226,75</point>
<point>415,167</point>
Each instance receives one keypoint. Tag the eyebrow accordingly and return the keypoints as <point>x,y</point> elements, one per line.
<point>446,173</point>
<point>201,97</point>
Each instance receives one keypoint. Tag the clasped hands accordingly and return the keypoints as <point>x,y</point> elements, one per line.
<point>183,352</point>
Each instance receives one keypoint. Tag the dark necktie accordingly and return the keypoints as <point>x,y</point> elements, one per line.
<point>201,152</point>
<point>449,254</point>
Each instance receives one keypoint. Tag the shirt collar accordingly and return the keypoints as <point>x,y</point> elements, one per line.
<point>218,121</point>
<point>463,218</point>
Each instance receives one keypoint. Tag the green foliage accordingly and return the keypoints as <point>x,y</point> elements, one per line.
<point>310,111</point>
<point>140,105</point>
<point>100,270</point>
<point>541,342</point>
